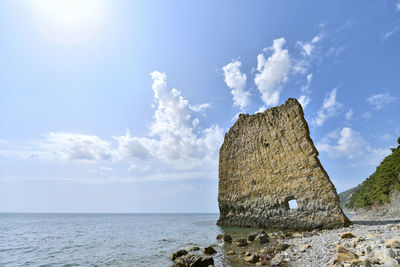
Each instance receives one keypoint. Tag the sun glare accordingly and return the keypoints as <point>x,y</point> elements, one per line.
<point>69,20</point>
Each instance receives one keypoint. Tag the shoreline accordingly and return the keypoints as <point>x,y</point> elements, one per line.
<point>363,243</point>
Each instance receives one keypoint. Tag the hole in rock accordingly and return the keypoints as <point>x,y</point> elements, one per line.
<point>292,204</point>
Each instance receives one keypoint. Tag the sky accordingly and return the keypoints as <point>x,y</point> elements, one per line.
<point>122,106</point>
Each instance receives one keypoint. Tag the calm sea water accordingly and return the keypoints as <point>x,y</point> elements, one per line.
<point>105,239</point>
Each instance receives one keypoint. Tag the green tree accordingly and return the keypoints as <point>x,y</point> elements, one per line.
<point>375,190</point>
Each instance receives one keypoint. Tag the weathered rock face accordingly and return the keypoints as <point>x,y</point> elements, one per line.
<point>268,159</point>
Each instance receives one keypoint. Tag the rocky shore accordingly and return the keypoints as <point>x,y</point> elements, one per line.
<point>361,244</point>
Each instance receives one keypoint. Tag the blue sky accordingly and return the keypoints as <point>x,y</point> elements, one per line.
<point>121,106</point>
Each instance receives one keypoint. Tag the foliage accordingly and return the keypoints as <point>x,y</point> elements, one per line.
<point>375,189</point>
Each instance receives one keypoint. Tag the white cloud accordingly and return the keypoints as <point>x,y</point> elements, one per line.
<point>261,109</point>
<point>201,107</point>
<point>304,101</point>
<point>335,51</point>
<point>330,108</point>
<point>390,33</point>
<point>380,100</point>
<point>133,147</point>
<point>62,147</point>
<point>175,145</point>
<point>308,47</point>
<point>236,80</point>
<point>173,125</point>
<point>349,114</point>
<point>398,5</point>
<point>351,145</point>
<point>195,122</point>
<point>273,72</point>
<point>305,88</point>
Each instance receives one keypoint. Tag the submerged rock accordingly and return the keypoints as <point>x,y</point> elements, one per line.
<point>262,239</point>
<point>178,254</point>
<point>240,242</point>
<point>208,250</point>
<point>194,248</point>
<point>227,238</point>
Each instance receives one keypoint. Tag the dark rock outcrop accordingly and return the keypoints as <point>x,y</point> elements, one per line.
<point>192,260</point>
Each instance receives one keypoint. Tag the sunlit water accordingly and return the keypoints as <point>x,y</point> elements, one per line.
<point>105,239</point>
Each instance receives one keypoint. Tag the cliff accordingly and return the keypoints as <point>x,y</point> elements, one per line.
<point>267,160</point>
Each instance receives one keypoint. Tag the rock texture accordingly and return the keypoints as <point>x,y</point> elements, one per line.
<point>268,159</point>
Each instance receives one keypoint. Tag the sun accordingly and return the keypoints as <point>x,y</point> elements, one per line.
<point>69,20</point>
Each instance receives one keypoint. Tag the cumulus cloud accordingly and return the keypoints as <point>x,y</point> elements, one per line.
<point>304,101</point>
<point>175,144</point>
<point>380,100</point>
<point>132,147</point>
<point>305,88</point>
<point>236,80</point>
<point>173,125</point>
<point>201,107</point>
<point>261,109</point>
<point>72,147</point>
<point>349,114</point>
<point>330,108</point>
<point>351,145</point>
<point>273,72</point>
<point>308,47</point>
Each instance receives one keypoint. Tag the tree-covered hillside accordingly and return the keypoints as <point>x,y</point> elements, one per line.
<point>375,189</point>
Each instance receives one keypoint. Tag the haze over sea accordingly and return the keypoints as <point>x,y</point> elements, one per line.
<point>50,239</point>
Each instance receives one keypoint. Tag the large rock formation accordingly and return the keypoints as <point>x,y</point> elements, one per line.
<point>268,159</point>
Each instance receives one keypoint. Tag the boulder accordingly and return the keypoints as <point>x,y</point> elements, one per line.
<point>178,254</point>
<point>347,235</point>
<point>208,250</point>
<point>194,248</point>
<point>262,239</point>
<point>252,259</point>
<point>240,242</point>
<point>227,238</point>
<point>304,247</point>
<point>344,254</point>
<point>392,243</point>
<point>281,247</point>
<point>191,260</point>
<point>251,237</point>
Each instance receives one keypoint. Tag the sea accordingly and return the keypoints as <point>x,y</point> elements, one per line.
<point>59,239</point>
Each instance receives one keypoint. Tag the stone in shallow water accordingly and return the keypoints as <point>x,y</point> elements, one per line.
<point>227,238</point>
<point>178,254</point>
<point>240,242</point>
<point>262,239</point>
<point>208,250</point>
<point>267,160</point>
<point>252,259</point>
<point>194,261</point>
